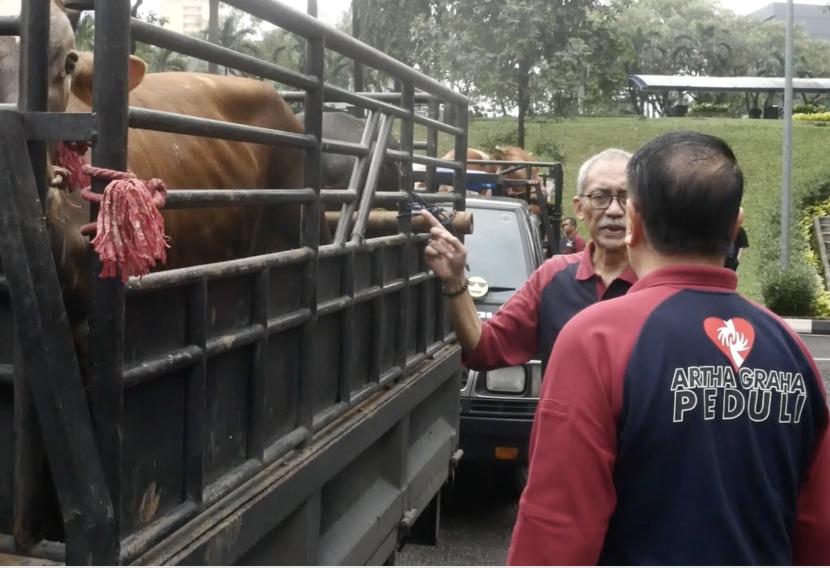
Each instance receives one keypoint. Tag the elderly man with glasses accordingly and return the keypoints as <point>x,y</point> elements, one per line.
<point>527,325</point>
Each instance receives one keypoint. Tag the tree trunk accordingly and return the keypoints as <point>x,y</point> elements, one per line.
<point>524,100</point>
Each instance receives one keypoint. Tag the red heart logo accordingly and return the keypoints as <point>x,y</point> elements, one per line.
<point>734,337</point>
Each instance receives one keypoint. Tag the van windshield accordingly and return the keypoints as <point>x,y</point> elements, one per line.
<point>496,252</point>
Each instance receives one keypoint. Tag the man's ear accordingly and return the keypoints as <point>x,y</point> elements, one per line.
<point>634,231</point>
<point>580,214</point>
<point>738,223</point>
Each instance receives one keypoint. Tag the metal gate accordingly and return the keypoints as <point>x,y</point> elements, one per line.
<point>206,378</point>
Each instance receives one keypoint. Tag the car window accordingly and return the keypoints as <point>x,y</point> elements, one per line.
<point>496,252</point>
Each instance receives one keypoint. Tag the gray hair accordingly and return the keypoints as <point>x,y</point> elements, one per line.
<point>588,165</point>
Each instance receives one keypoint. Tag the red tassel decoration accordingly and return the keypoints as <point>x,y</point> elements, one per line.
<point>130,229</point>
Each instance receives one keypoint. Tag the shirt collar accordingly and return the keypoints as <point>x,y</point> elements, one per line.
<point>689,276</point>
<point>586,271</point>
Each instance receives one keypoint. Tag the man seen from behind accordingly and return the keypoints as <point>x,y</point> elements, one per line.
<point>681,423</point>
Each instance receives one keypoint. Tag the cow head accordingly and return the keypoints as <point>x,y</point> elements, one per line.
<point>62,59</point>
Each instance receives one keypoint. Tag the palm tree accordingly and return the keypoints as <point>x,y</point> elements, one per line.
<point>167,60</point>
<point>236,34</point>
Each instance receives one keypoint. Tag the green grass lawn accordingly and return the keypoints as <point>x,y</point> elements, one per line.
<point>757,144</point>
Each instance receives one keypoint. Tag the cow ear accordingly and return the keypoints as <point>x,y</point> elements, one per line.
<point>82,77</point>
<point>138,68</point>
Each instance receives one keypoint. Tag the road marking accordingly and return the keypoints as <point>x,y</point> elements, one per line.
<point>821,358</point>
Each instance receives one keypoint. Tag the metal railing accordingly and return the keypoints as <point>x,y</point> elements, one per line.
<point>116,373</point>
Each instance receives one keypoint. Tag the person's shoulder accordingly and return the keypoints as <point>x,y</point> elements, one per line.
<point>557,263</point>
<point>621,314</point>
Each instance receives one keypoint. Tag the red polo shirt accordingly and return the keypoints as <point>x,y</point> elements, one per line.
<point>527,325</point>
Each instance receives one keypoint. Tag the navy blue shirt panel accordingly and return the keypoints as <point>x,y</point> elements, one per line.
<point>705,472</point>
<point>564,297</point>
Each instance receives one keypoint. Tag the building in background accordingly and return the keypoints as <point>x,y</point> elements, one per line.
<point>814,18</point>
<point>185,16</point>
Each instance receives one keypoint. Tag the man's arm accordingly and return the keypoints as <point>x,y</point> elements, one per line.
<point>811,536</point>
<point>511,336</point>
<point>570,496</point>
<point>447,257</point>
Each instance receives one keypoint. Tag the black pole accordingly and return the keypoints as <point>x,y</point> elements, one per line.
<point>357,69</point>
<point>213,31</point>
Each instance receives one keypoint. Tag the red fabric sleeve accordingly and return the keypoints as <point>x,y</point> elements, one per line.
<point>579,243</point>
<point>570,494</point>
<point>564,510</point>
<point>511,336</point>
<point>811,536</point>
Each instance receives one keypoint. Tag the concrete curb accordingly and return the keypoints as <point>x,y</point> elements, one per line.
<point>816,327</point>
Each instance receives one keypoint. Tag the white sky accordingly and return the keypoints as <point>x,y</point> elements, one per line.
<point>747,6</point>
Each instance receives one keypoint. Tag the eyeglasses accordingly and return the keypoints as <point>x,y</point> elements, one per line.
<point>602,199</point>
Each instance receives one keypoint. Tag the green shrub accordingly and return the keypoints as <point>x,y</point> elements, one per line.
<point>813,117</point>
<point>808,109</point>
<point>709,109</point>
<point>791,292</point>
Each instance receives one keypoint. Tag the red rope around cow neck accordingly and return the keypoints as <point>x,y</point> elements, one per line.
<point>130,229</point>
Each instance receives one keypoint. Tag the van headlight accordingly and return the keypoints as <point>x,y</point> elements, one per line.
<point>506,380</point>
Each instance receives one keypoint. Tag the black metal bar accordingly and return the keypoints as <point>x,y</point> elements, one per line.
<point>171,122</point>
<point>170,361</point>
<point>310,232</point>
<point>329,415</point>
<point>59,126</point>
<point>33,86</point>
<point>110,92</point>
<point>310,28</point>
<point>359,169</point>
<point>341,95</point>
<point>454,130</point>
<point>256,435</point>
<point>378,317</point>
<point>182,198</point>
<point>213,30</point>
<point>6,374</point>
<point>551,235</point>
<point>369,187</point>
<point>48,362</point>
<point>397,196</point>
<point>340,147</point>
<point>188,45</point>
<point>389,96</point>
<point>9,26</point>
<point>558,184</point>
<point>460,178</point>
<point>450,164</point>
<point>337,196</point>
<point>517,164</point>
<point>432,148</point>
<point>196,416</point>
<point>405,221</point>
<point>189,275</point>
<point>347,331</point>
<point>137,542</point>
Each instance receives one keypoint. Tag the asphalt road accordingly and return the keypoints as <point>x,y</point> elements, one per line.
<point>479,511</point>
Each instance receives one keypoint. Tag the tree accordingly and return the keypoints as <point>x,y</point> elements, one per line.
<point>238,33</point>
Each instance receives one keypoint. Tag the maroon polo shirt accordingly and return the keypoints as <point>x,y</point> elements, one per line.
<point>527,325</point>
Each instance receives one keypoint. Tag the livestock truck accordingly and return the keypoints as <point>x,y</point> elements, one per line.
<point>293,407</point>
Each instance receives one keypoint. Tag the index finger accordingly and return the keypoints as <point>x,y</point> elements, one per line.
<point>431,219</point>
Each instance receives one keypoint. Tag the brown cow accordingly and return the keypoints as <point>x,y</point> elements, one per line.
<point>472,154</point>
<point>197,235</point>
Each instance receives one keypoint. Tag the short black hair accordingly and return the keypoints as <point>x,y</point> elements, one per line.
<point>687,187</point>
<point>571,220</point>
